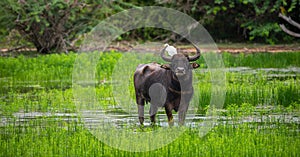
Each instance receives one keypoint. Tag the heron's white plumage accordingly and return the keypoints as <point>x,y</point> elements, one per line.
<point>171,50</point>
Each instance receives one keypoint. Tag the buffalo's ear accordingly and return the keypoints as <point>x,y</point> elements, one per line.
<point>165,66</point>
<point>195,65</point>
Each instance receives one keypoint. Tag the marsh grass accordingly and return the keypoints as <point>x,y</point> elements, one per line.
<point>262,60</point>
<point>44,84</point>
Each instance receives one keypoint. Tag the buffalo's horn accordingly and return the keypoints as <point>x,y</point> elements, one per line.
<point>196,56</point>
<point>163,56</point>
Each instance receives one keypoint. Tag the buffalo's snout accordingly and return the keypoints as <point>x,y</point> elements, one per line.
<point>180,71</point>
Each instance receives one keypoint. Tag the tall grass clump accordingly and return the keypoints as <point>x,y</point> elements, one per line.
<point>253,89</point>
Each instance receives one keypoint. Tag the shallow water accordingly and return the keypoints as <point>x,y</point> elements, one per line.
<point>94,119</point>
<point>268,71</point>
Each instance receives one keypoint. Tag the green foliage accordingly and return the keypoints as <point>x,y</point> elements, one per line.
<point>54,25</point>
<point>255,19</point>
<point>242,20</point>
<point>59,25</point>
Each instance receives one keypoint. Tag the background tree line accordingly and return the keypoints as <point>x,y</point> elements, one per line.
<point>59,25</point>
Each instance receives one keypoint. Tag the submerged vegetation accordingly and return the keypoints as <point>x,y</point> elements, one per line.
<point>259,85</point>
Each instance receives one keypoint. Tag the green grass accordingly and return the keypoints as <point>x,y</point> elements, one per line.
<point>48,138</point>
<point>55,70</point>
<point>48,71</point>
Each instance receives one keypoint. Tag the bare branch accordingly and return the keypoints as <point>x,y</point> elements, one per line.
<point>289,32</point>
<point>292,22</point>
<point>289,20</point>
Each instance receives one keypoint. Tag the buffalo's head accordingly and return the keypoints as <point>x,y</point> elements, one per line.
<point>180,63</point>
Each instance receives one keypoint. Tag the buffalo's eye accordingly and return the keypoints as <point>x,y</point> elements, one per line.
<point>173,66</point>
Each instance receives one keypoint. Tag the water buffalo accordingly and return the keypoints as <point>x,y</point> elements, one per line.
<point>167,85</point>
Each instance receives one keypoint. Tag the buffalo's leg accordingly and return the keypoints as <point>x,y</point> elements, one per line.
<point>170,116</point>
<point>181,117</point>
<point>141,114</point>
<point>152,113</point>
<point>182,114</point>
<point>141,103</point>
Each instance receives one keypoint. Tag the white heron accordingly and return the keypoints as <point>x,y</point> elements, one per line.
<point>170,49</point>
